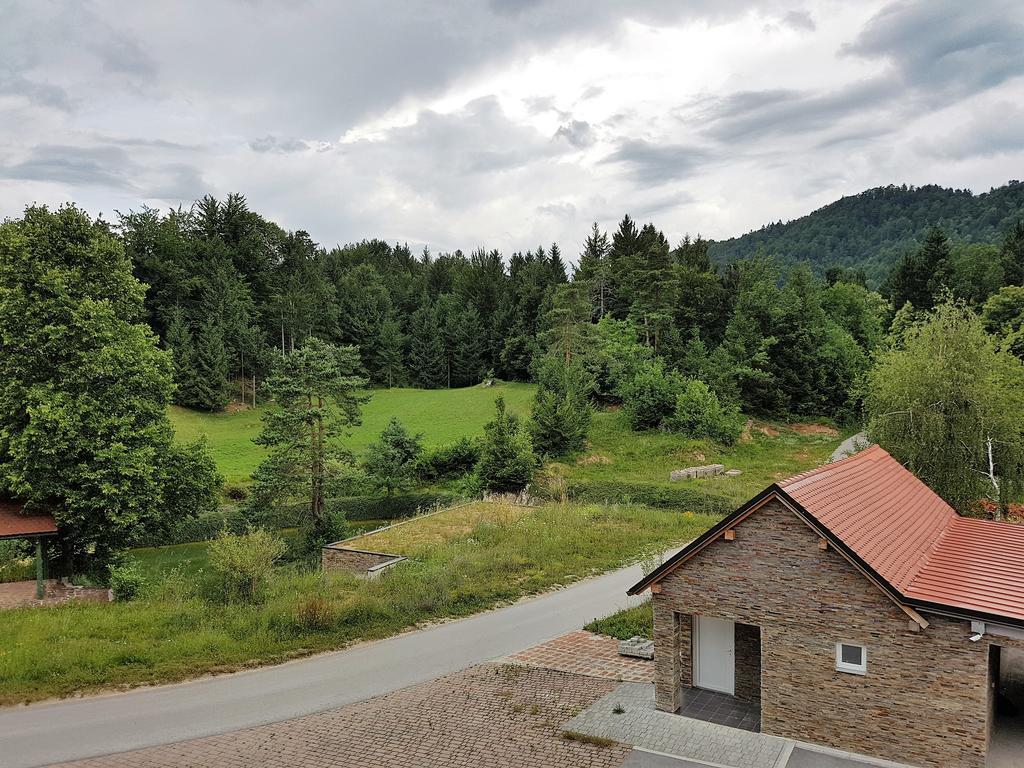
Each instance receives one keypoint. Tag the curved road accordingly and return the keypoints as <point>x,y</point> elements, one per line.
<point>51,732</point>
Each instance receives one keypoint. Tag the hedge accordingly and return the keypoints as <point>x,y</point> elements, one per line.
<point>608,491</point>
<point>233,517</point>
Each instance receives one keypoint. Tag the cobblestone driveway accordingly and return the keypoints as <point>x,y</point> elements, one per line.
<point>496,715</point>
<point>584,653</point>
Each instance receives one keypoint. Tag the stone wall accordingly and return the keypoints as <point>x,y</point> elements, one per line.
<point>357,561</point>
<point>924,699</point>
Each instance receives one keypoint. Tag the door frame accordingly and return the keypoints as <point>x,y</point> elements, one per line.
<point>695,661</point>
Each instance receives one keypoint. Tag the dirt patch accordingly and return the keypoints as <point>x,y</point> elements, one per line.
<point>594,458</point>
<point>768,430</point>
<point>814,429</point>
<point>235,407</point>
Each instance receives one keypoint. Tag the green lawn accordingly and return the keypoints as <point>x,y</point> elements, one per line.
<point>179,628</point>
<point>441,415</point>
<point>768,453</point>
<point>636,621</point>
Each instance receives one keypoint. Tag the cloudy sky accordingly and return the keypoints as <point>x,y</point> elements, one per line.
<point>505,123</point>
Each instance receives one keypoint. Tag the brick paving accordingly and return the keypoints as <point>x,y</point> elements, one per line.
<point>17,594</point>
<point>584,653</point>
<point>627,715</point>
<point>496,715</point>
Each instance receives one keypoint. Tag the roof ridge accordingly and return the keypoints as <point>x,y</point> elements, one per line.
<point>874,448</point>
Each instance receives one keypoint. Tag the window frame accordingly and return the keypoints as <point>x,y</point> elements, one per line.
<point>851,669</point>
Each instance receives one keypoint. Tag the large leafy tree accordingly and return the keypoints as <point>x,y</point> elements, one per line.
<point>317,391</point>
<point>84,389</point>
<point>950,405</point>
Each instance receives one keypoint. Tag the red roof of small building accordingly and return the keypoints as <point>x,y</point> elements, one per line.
<point>15,524</point>
<point>912,538</point>
<point>900,531</point>
<point>877,508</point>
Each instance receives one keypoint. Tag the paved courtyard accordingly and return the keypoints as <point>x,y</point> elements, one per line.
<point>491,715</point>
<point>584,653</point>
<point>627,715</point>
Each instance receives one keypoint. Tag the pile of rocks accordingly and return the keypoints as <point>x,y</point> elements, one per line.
<point>708,470</point>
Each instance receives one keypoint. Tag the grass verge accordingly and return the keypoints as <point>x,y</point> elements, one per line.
<point>636,621</point>
<point>180,629</point>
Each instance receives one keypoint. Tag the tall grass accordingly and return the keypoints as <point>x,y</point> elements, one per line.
<point>179,628</point>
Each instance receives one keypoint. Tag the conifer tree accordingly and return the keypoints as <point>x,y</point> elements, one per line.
<point>427,364</point>
<point>556,265</point>
<point>211,368</point>
<point>389,353</point>
<point>181,346</point>
<point>561,414</point>
<point>1012,255</point>
<point>468,364</point>
<point>594,269</point>
<point>391,461</point>
<point>507,462</point>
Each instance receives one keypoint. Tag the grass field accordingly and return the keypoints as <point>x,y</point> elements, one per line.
<point>179,628</point>
<point>636,621</point>
<point>768,453</point>
<point>441,415</point>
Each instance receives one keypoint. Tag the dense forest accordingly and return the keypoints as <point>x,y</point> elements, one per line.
<point>230,290</point>
<point>870,231</point>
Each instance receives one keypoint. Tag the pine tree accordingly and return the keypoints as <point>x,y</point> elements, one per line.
<point>653,288</point>
<point>556,265</point>
<point>625,243</point>
<point>561,414</point>
<point>389,353</point>
<point>182,348</point>
<point>594,269</point>
<point>506,463</point>
<point>391,461</point>
<point>1012,255</point>
<point>922,275</point>
<point>468,365</point>
<point>211,368</point>
<point>427,364</point>
<point>317,390</point>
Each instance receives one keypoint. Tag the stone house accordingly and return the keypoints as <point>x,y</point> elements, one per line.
<point>848,606</point>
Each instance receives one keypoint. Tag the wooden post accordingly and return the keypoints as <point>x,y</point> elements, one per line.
<point>40,588</point>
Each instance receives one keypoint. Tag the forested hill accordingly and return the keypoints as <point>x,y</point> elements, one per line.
<point>872,229</point>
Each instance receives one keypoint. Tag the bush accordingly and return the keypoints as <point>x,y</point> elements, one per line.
<point>236,492</point>
<point>699,413</point>
<point>649,398</point>
<point>506,461</point>
<point>636,621</point>
<point>241,564</point>
<point>449,462</point>
<point>126,579</point>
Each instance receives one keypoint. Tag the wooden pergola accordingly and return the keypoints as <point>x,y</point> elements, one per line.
<point>15,524</point>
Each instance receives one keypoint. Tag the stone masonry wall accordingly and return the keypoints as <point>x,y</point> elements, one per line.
<point>352,560</point>
<point>924,699</point>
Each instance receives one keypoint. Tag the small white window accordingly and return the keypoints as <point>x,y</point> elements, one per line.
<point>851,658</point>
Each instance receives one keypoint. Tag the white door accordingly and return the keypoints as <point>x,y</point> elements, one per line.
<point>714,654</point>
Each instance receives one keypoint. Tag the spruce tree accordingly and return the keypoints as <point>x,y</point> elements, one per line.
<point>389,353</point>
<point>211,368</point>
<point>507,462</point>
<point>1012,255</point>
<point>427,364</point>
<point>556,265</point>
<point>594,270</point>
<point>561,414</point>
<point>468,364</point>
<point>181,346</point>
<point>391,462</point>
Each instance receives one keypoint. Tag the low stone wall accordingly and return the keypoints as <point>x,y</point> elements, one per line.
<point>358,561</point>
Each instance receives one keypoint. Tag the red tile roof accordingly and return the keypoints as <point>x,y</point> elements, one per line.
<point>878,508</point>
<point>14,523</point>
<point>978,565</point>
<point>912,538</point>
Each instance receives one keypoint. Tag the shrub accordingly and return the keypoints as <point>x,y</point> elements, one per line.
<point>561,413</point>
<point>698,413</point>
<point>241,564</point>
<point>236,492</point>
<point>126,579</point>
<point>649,398</point>
<point>506,462</point>
<point>635,621</point>
<point>449,462</point>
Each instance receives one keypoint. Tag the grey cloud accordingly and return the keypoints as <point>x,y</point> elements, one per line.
<point>561,210</point>
<point>105,166</point>
<point>651,163</point>
<point>579,133</point>
<point>44,94</point>
<point>799,20</point>
<point>947,47</point>
<point>751,114</point>
<point>995,131</point>
<point>274,144</point>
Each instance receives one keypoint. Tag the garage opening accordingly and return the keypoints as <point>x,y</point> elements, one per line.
<point>1006,707</point>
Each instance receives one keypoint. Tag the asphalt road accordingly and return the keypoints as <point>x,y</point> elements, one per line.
<point>51,732</point>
